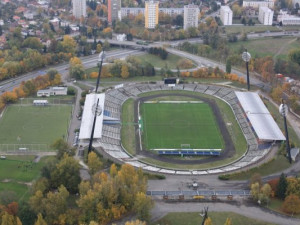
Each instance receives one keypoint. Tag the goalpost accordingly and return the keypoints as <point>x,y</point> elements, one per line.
<point>185,146</point>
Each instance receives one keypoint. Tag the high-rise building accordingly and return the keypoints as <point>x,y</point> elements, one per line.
<point>79,8</point>
<point>226,15</point>
<point>191,14</point>
<point>151,14</point>
<point>265,15</point>
<point>113,8</point>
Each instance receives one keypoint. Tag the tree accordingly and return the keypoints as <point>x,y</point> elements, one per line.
<point>33,42</point>
<point>68,45</point>
<point>40,220</point>
<point>8,219</point>
<point>136,222</point>
<point>228,66</point>
<point>282,187</point>
<point>94,163</point>
<point>255,178</point>
<point>255,190</point>
<point>77,72</point>
<point>208,221</point>
<point>67,174</point>
<point>99,48</point>
<point>26,214</point>
<point>291,204</point>
<point>142,206</point>
<point>124,71</point>
<point>294,55</point>
<point>62,147</point>
<point>228,222</point>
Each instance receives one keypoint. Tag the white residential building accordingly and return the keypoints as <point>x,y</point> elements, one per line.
<point>191,14</point>
<point>135,11</point>
<point>151,14</point>
<point>226,15</point>
<point>79,8</point>
<point>257,4</point>
<point>287,19</point>
<point>265,15</point>
<point>295,3</point>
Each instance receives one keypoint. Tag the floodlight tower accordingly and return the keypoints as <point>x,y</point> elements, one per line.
<point>100,60</point>
<point>96,109</point>
<point>204,215</point>
<point>246,57</point>
<point>283,109</point>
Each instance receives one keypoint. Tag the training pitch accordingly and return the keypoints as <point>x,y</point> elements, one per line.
<point>179,126</point>
<point>34,124</point>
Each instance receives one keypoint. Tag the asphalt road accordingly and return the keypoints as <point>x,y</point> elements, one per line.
<point>88,62</point>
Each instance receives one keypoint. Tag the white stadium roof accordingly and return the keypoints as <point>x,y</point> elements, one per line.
<point>88,117</point>
<point>259,116</point>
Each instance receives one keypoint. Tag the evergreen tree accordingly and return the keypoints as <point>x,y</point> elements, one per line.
<point>282,186</point>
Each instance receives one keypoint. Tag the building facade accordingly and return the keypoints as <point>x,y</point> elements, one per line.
<point>257,4</point>
<point>135,11</point>
<point>113,8</point>
<point>79,8</point>
<point>52,91</point>
<point>190,17</point>
<point>265,15</point>
<point>226,15</point>
<point>287,19</point>
<point>151,14</point>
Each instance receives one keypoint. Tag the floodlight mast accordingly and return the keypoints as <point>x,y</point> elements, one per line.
<point>246,57</point>
<point>96,111</point>
<point>100,60</point>
<point>283,111</point>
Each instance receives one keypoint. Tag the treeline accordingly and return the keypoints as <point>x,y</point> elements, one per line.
<point>30,87</point>
<point>29,54</point>
<point>161,52</point>
<point>61,197</point>
<point>132,67</point>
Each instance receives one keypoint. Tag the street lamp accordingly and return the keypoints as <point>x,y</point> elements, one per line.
<point>283,109</point>
<point>246,57</point>
<point>100,60</point>
<point>97,110</point>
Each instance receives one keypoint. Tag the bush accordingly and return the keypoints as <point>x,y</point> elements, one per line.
<point>224,176</point>
<point>71,91</point>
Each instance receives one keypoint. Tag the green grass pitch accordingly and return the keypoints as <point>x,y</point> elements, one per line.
<point>34,124</point>
<point>169,125</point>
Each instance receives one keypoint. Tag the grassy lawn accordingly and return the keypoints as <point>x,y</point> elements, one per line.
<point>228,117</point>
<point>33,124</point>
<point>247,29</point>
<point>168,125</point>
<point>218,218</point>
<point>16,171</point>
<point>156,61</point>
<point>267,46</point>
<point>276,165</point>
<point>128,130</point>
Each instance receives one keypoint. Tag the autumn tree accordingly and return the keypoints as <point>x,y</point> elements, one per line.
<point>142,206</point>
<point>291,204</point>
<point>208,221</point>
<point>228,222</point>
<point>62,147</point>
<point>40,220</point>
<point>94,163</point>
<point>282,187</point>
<point>293,187</point>
<point>124,71</point>
<point>256,178</point>
<point>67,174</point>
<point>68,45</point>
<point>136,222</point>
<point>294,55</point>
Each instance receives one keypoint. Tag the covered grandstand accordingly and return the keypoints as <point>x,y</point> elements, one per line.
<point>262,122</point>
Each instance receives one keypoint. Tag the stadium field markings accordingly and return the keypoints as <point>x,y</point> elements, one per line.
<point>199,131</point>
<point>175,102</point>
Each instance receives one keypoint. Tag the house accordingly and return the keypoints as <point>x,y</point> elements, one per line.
<point>52,91</point>
<point>121,37</point>
<point>16,18</point>
<point>1,22</point>
<point>20,9</point>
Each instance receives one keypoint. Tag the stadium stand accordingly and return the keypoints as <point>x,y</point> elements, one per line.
<point>110,142</point>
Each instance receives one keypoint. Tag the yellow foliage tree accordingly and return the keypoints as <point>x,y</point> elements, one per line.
<point>124,71</point>
<point>93,75</point>
<point>94,163</point>
<point>136,222</point>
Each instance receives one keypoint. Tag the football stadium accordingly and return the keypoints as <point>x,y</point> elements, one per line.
<point>189,124</point>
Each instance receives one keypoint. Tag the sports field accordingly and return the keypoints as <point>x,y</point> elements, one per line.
<point>34,124</point>
<point>174,125</point>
